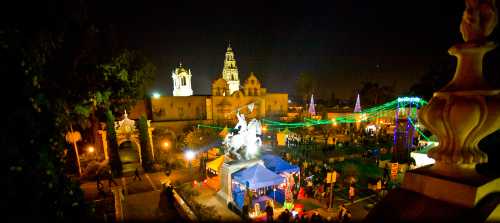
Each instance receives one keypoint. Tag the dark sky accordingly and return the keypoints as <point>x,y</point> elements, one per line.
<point>340,43</point>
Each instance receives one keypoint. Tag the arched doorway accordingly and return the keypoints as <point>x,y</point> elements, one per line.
<point>129,156</point>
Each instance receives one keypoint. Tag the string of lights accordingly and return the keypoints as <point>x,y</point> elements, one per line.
<point>367,115</point>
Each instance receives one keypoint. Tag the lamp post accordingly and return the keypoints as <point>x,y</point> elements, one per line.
<point>156,95</point>
<point>91,150</point>
<point>333,178</point>
<point>189,156</point>
<point>165,145</point>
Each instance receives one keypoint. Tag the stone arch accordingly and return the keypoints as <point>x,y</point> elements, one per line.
<point>129,157</point>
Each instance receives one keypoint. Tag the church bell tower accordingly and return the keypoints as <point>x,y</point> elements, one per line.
<point>230,71</point>
<point>181,79</point>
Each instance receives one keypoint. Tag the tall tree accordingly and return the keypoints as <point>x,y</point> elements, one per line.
<point>333,99</point>
<point>198,139</point>
<point>304,86</point>
<point>114,156</point>
<point>147,157</point>
<point>57,64</point>
<point>373,94</point>
<point>434,79</point>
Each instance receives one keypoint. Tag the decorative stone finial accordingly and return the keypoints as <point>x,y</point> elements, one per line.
<point>467,109</point>
<point>478,20</point>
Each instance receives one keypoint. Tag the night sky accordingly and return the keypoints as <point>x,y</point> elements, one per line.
<point>340,43</point>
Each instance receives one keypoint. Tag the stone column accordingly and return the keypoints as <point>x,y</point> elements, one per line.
<point>460,114</point>
<point>104,140</point>
<point>119,199</point>
<point>150,135</point>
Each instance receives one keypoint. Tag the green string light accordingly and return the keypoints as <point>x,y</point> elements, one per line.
<point>367,115</point>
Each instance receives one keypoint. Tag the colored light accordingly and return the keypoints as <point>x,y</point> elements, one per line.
<point>409,99</point>
<point>368,115</point>
<point>156,95</point>
<point>190,155</point>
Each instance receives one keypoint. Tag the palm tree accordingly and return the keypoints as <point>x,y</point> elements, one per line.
<point>73,137</point>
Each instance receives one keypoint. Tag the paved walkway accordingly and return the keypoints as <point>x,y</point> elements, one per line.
<point>209,197</point>
<point>142,197</point>
<point>144,207</point>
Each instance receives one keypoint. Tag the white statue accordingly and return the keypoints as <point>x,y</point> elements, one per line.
<point>242,123</point>
<point>247,138</point>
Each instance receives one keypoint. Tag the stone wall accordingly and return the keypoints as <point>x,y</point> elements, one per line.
<point>171,108</point>
<point>276,104</point>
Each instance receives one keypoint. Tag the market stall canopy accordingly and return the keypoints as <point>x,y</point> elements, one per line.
<point>258,176</point>
<point>216,163</point>
<point>278,165</point>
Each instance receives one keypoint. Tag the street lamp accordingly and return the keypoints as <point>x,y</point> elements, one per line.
<point>190,156</point>
<point>156,95</point>
<point>91,150</point>
<point>166,144</point>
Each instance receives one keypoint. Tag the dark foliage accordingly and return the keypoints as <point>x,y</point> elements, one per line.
<point>114,156</point>
<point>147,158</point>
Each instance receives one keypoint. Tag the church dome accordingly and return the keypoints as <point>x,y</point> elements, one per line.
<point>180,69</point>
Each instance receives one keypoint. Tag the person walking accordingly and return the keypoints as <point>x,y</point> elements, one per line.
<point>111,180</point>
<point>269,213</point>
<point>351,193</point>
<point>386,172</point>
<point>347,216</point>
<point>98,182</point>
<point>100,186</point>
<point>342,213</point>
<point>378,188</point>
<point>137,175</point>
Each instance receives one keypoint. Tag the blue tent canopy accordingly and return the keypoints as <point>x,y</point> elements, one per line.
<point>258,176</point>
<point>278,165</point>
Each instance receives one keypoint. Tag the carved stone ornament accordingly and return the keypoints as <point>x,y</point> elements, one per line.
<point>467,109</point>
<point>126,125</point>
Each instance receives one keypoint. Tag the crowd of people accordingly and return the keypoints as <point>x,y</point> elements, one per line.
<point>343,216</point>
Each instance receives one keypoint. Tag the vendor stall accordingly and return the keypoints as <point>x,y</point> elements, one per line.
<point>215,165</point>
<point>278,165</point>
<point>259,179</point>
<point>290,172</point>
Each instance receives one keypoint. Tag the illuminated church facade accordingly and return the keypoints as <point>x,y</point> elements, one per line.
<point>227,95</point>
